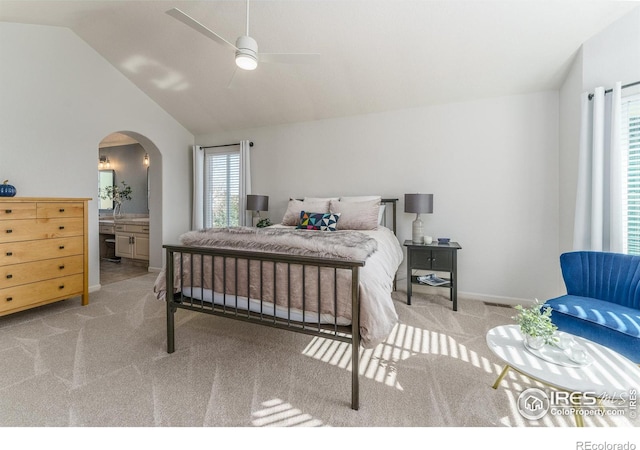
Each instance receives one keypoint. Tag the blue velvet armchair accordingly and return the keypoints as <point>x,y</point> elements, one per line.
<point>602,303</point>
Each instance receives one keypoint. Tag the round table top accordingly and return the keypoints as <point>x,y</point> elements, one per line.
<point>607,372</point>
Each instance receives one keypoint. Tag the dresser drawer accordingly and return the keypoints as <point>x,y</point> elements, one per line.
<point>10,210</point>
<point>25,273</point>
<point>27,251</point>
<point>67,209</point>
<point>25,296</point>
<point>26,230</point>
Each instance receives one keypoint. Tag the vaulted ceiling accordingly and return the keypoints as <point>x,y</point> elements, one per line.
<point>376,55</point>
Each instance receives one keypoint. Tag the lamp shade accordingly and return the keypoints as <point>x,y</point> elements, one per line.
<point>418,203</point>
<point>257,203</point>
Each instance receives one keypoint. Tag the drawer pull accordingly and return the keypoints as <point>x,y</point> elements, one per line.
<point>61,247</point>
<point>61,267</point>
<point>9,299</point>
<point>61,227</point>
<point>9,276</point>
<point>61,210</point>
<point>8,211</point>
<point>9,231</point>
<point>9,253</point>
<point>61,286</point>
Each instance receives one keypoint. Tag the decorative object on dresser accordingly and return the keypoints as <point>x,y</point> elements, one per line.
<point>419,204</point>
<point>7,190</point>
<point>43,252</point>
<point>258,203</point>
<point>433,257</point>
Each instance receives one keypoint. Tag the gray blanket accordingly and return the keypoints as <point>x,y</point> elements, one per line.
<point>344,244</point>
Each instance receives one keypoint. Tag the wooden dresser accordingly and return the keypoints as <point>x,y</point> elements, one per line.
<point>43,251</point>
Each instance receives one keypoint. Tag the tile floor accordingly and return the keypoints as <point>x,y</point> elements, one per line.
<point>110,272</point>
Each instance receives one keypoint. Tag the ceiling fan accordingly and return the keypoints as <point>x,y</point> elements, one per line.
<point>246,48</point>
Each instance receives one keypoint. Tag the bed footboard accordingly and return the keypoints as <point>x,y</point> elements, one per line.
<point>310,295</point>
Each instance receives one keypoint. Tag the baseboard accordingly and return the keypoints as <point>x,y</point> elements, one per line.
<point>155,269</point>
<point>485,298</point>
<point>495,299</point>
<point>95,288</point>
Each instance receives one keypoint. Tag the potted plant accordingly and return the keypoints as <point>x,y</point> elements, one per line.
<point>262,223</point>
<point>117,195</point>
<point>535,324</point>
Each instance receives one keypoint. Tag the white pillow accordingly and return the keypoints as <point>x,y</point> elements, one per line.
<point>361,198</point>
<point>292,215</point>
<point>320,199</point>
<point>367,198</point>
<point>356,215</point>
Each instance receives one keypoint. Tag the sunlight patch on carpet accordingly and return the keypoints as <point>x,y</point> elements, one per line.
<point>404,341</point>
<point>278,413</point>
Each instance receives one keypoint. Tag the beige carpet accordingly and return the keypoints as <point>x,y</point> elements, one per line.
<point>105,365</point>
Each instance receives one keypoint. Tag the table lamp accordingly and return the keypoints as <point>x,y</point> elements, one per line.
<point>257,203</point>
<point>419,204</point>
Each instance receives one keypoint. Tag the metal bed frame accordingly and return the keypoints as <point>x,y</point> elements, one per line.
<point>344,333</point>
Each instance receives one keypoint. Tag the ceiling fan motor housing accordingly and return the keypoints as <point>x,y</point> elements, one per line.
<point>246,53</point>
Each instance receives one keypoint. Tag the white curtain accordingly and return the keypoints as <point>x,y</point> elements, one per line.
<point>245,182</point>
<point>197,217</point>
<point>599,223</point>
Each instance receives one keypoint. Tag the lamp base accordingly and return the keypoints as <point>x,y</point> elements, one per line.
<point>416,231</point>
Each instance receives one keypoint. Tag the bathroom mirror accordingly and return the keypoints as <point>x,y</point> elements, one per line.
<point>106,178</point>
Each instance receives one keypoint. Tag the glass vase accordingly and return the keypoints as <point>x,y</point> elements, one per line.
<point>118,213</point>
<point>535,342</point>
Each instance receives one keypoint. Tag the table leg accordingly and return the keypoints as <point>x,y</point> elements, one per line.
<point>576,403</point>
<point>408,283</point>
<point>501,377</point>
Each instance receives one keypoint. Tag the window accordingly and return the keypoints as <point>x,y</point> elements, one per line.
<point>221,188</point>
<point>630,141</point>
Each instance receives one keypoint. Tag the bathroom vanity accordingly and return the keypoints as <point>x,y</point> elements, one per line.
<point>131,236</point>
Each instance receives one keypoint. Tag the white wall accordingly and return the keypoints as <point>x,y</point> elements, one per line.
<point>612,55</point>
<point>492,166</point>
<point>58,99</point>
<point>569,149</point>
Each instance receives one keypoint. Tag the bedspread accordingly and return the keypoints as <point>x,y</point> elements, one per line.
<point>379,249</point>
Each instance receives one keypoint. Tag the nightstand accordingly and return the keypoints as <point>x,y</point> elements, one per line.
<point>433,257</point>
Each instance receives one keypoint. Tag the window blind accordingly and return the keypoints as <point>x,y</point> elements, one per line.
<point>221,188</point>
<point>630,141</point>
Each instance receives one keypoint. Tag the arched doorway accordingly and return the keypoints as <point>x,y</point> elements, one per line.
<point>128,242</point>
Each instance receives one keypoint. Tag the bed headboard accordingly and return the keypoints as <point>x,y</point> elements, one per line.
<point>390,202</point>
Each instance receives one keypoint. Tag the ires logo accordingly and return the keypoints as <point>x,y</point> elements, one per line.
<point>534,403</point>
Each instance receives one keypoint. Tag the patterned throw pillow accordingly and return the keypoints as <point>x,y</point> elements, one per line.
<point>318,221</point>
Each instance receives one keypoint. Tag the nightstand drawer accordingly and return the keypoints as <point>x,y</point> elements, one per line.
<point>442,260</point>
<point>431,260</point>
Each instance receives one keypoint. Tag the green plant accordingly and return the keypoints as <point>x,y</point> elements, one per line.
<point>264,223</point>
<point>116,193</point>
<point>535,321</point>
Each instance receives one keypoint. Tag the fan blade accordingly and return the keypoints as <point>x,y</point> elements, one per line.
<point>234,77</point>
<point>193,23</point>
<point>289,58</point>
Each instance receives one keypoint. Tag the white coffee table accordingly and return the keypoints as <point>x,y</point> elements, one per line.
<point>607,374</point>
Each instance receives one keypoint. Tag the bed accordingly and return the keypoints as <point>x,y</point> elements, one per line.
<point>276,277</point>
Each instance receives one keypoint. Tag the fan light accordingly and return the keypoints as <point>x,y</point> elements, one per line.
<point>246,53</point>
<point>246,62</point>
